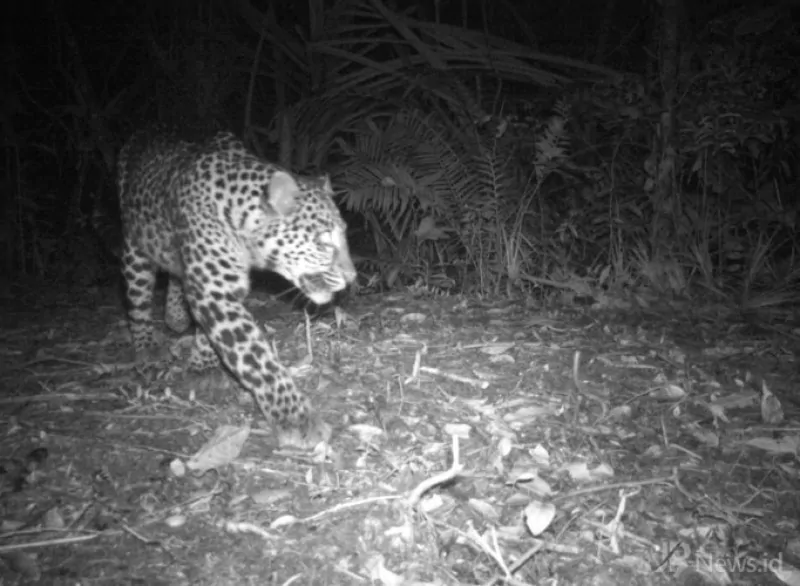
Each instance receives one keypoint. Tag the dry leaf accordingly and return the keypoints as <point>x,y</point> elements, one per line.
<point>53,520</point>
<point>717,412</point>
<point>365,433</point>
<point>708,438</point>
<point>486,509</point>
<point>787,574</point>
<point>502,359</point>
<point>620,413</point>
<point>784,445</point>
<point>579,471</point>
<point>224,447</point>
<point>738,400</point>
<point>497,348</point>
<point>378,573</point>
<point>668,393</point>
<point>271,496</point>
<point>538,516</point>
<point>771,409</point>
<point>540,456</point>
<point>413,317</point>
<point>539,486</point>
<point>175,521</point>
<point>526,415</point>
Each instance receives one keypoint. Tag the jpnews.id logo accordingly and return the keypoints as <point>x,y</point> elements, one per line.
<point>683,556</point>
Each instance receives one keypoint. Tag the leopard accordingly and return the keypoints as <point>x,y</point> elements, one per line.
<point>207,212</point>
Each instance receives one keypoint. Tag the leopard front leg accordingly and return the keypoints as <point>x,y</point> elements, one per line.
<point>217,305</point>
<point>139,274</point>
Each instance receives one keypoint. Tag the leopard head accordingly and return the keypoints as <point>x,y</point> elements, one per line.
<point>306,239</point>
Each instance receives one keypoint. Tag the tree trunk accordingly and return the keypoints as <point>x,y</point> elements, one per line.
<point>666,203</point>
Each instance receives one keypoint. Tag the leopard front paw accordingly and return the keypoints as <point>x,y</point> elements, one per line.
<point>305,436</point>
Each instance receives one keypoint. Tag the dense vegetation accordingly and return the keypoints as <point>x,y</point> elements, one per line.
<point>474,150</point>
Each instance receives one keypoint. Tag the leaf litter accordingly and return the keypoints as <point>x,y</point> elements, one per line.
<point>472,443</point>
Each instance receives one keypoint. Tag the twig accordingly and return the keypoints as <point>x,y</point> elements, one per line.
<point>424,486</point>
<point>350,505</point>
<point>46,358</point>
<point>580,388</point>
<point>48,542</point>
<point>592,489</point>
<point>492,550</point>
<point>292,580</point>
<point>413,498</point>
<point>140,417</point>
<point>60,397</point>
<point>428,484</point>
<point>118,445</point>
<point>139,536</point>
<point>576,360</point>
<point>481,384</point>
<point>244,527</point>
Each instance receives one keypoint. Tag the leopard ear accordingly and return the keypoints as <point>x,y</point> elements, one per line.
<point>326,182</point>
<point>282,193</point>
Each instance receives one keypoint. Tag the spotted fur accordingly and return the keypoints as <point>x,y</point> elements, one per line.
<point>206,213</point>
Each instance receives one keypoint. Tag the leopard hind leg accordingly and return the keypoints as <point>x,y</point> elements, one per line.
<point>176,312</point>
<point>139,274</point>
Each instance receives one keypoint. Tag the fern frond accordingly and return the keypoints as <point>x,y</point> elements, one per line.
<point>552,146</point>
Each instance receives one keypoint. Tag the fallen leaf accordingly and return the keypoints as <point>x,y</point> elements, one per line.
<point>771,409</point>
<point>580,472</point>
<point>540,456</point>
<point>787,574</point>
<point>738,400</point>
<point>486,509</point>
<point>668,392</point>
<point>377,572</point>
<point>504,447</point>
<point>224,447</point>
<point>538,516</point>
<point>413,317</point>
<point>526,415</point>
<point>271,496</point>
<point>704,436</point>
<point>175,521</point>
<point>365,433</point>
<point>497,348</point>
<point>784,445</point>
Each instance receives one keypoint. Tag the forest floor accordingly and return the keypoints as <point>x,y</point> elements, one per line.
<point>473,442</point>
